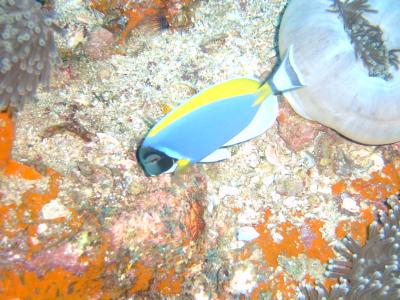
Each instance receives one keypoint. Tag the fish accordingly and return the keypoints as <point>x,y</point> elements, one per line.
<point>225,114</point>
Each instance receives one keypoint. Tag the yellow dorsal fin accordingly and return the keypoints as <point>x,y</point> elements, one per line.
<point>227,89</point>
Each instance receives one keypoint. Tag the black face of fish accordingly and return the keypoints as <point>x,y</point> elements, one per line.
<point>153,161</point>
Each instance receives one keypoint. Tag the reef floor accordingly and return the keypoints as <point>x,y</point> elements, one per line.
<point>79,220</point>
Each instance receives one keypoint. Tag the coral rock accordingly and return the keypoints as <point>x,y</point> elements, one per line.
<point>99,44</point>
<point>294,130</point>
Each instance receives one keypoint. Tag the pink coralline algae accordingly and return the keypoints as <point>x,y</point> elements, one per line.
<point>294,130</point>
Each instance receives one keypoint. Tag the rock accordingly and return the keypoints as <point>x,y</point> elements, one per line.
<point>296,131</point>
<point>247,233</point>
<point>99,44</point>
<point>162,224</point>
<point>244,280</point>
<point>53,210</point>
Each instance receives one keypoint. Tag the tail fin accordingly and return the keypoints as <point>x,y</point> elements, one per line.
<point>287,76</point>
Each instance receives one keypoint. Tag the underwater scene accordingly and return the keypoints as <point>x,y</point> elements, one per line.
<point>199,149</point>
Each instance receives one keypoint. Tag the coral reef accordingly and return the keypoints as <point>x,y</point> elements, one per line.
<point>61,253</point>
<point>154,14</point>
<point>293,242</point>
<point>369,271</point>
<point>27,50</point>
<point>295,253</point>
<point>22,222</point>
<point>92,226</point>
<point>18,282</point>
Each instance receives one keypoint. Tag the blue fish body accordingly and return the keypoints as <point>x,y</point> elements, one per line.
<point>196,135</point>
<point>222,115</point>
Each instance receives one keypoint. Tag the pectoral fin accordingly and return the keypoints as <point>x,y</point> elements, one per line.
<point>172,169</point>
<point>182,165</point>
<point>264,119</point>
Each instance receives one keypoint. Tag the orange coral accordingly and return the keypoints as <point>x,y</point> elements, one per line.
<point>9,167</point>
<point>172,284</point>
<point>318,247</point>
<point>24,218</point>
<point>381,185</point>
<point>339,187</point>
<point>14,168</point>
<point>143,277</point>
<point>288,246</point>
<point>308,240</point>
<point>58,283</point>
<point>357,229</point>
<point>6,137</point>
<point>175,12</point>
<point>293,241</point>
<point>20,220</point>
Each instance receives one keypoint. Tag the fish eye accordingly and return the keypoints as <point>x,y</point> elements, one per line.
<point>152,158</point>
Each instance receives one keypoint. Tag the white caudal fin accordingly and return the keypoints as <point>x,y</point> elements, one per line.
<point>287,77</point>
<point>264,118</point>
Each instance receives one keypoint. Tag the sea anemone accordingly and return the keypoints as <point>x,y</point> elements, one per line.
<point>366,272</point>
<point>348,54</point>
<point>27,50</point>
<point>366,38</point>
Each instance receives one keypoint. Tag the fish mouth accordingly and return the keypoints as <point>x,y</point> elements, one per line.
<point>153,161</point>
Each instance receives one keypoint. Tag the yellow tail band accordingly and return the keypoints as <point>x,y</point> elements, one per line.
<point>262,93</point>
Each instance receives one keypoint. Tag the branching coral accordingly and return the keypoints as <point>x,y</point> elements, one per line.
<point>27,50</point>
<point>366,272</point>
<point>367,38</point>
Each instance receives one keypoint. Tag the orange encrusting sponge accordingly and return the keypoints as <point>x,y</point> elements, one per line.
<point>6,137</point>
<point>9,167</point>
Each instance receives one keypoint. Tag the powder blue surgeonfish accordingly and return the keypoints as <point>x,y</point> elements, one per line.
<point>225,114</point>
